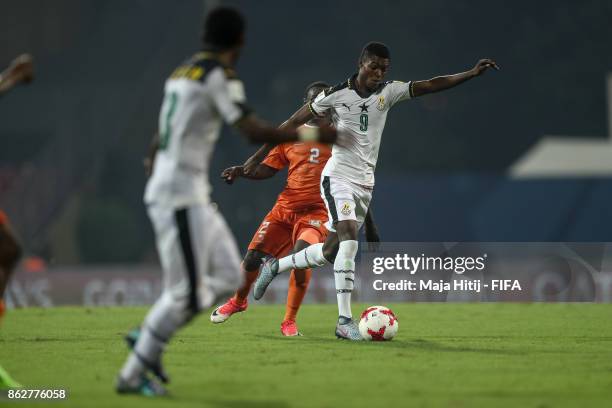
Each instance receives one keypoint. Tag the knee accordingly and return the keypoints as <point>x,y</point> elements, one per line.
<point>347,230</point>
<point>252,260</point>
<point>330,252</point>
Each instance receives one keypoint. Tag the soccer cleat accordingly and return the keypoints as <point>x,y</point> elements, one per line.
<point>347,329</point>
<point>145,386</point>
<point>225,311</point>
<point>157,369</point>
<point>289,328</point>
<point>6,382</point>
<point>267,273</point>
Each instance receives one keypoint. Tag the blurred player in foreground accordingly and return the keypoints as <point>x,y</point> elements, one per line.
<point>358,106</point>
<point>296,220</point>
<point>19,71</point>
<point>10,252</point>
<point>198,253</point>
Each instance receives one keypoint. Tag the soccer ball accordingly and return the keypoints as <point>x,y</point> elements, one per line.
<point>378,323</point>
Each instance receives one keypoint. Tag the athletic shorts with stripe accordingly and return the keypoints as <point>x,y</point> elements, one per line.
<point>344,200</point>
<point>283,227</point>
<point>198,254</point>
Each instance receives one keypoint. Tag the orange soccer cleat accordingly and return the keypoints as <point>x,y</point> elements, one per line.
<point>289,328</point>
<point>223,312</point>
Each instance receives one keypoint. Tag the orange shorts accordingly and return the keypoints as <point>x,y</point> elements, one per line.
<point>282,228</point>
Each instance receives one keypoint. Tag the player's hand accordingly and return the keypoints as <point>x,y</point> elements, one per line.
<point>21,69</point>
<point>232,173</point>
<point>483,65</point>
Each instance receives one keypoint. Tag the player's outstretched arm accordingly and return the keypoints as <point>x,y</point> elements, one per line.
<point>252,163</point>
<point>260,172</point>
<point>301,116</point>
<point>258,132</point>
<point>441,83</point>
<point>296,120</point>
<point>21,70</point>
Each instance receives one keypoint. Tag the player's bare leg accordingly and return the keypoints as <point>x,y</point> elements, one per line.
<point>238,303</point>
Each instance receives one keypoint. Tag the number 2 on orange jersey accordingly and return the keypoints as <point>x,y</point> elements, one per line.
<point>314,155</point>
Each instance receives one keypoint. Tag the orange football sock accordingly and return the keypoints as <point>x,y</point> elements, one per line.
<point>249,277</point>
<point>298,283</point>
<point>1,309</point>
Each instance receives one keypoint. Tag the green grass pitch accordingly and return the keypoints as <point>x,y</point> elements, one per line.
<point>447,355</point>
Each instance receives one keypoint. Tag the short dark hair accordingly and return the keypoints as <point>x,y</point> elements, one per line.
<point>223,28</point>
<point>374,49</point>
<point>314,89</point>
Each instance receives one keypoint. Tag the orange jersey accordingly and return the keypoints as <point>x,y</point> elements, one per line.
<point>305,162</point>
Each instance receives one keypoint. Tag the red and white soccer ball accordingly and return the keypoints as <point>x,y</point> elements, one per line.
<point>378,323</point>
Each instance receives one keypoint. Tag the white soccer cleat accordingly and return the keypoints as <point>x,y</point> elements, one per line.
<point>347,329</point>
<point>267,273</point>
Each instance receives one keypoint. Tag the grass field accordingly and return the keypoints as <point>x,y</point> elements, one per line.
<point>449,355</point>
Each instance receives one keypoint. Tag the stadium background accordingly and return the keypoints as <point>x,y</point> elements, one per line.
<point>71,175</point>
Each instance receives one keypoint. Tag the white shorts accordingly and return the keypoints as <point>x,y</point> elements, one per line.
<point>198,253</point>
<point>344,201</point>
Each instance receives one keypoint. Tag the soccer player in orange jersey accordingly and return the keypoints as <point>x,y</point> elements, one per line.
<point>296,220</point>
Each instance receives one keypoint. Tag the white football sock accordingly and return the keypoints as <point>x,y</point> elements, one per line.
<point>309,257</point>
<point>344,276</point>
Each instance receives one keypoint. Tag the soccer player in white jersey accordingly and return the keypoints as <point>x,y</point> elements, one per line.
<point>199,256</point>
<point>359,106</point>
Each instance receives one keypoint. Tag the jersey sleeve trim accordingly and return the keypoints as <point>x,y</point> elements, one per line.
<point>313,111</point>
<point>411,89</point>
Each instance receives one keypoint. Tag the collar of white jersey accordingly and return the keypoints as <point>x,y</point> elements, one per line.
<point>351,85</point>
